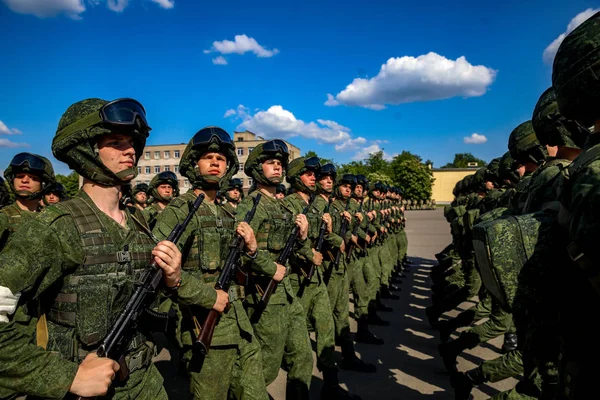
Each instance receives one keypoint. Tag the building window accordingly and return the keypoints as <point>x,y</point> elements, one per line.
<point>157,155</point>
<point>241,167</point>
<point>167,168</point>
<point>147,170</point>
<point>250,149</point>
<point>176,168</point>
<point>176,153</point>
<point>167,154</point>
<point>240,139</point>
<point>156,169</point>
<point>249,181</point>
<point>240,151</point>
<point>139,170</point>
<point>186,183</point>
<point>147,155</point>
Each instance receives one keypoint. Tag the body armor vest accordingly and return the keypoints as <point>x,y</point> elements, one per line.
<point>274,232</point>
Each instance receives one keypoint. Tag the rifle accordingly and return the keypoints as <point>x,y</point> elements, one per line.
<point>114,344</point>
<point>223,282</point>
<point>354,232</point>
<point>284,255</point>
<point>336,263</point>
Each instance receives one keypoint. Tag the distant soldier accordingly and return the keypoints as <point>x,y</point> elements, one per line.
<point>54,194</point>
<point>140,196</point>
<point>163,188</point>
<point>4,195</point>
<point>233,194</point>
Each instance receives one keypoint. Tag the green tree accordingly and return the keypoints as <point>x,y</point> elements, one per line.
<point>70,182</point>
<point>462,160</point>
<point>354,167</point>
<point>376,163</point>
<point>413,177</point>
<point>324,161</point>
<point>380,177</point>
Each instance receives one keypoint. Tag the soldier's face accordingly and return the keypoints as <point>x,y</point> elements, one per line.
<point>214,164</point>
<point>346,189</point>
<point>116,152</point>
<point>51,198</point>
<point>358,190</point>
<point>234,194</point>
<point>165,190</point>
<point>140,197</point>
<point>326,183</point>
<point>26,182</point>
<point>272,169</point>
<point>309,179</point>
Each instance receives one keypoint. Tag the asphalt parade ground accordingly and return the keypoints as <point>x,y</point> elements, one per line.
<point>408,364</point>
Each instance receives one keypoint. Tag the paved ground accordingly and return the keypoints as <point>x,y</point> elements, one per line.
<point>408,365</point>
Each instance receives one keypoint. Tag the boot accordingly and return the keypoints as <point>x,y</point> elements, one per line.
<point>445,327</point>
<point>375,319</point>
<point>510,343</point>
<point>433,316</point>
<point>381,306</point>
<point>353,363</point>
<point>463,383</point>
<point>450,351</point>
<point>386,294</point>
<point>331,386</point>
<point>363,335</point>
<point>296,390</point>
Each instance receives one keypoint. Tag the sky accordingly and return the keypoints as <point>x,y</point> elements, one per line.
<point>344,79</point>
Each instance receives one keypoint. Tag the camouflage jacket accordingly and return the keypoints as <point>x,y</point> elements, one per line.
<point>11,217</point>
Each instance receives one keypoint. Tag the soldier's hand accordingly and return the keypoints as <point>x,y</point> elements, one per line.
<point>343,247</point>
<point>371,215</point>
<point>302,223</point>
<point>347,215</point>
<point>374,237</point>
<point>354,239</point>
<point>94,376</point>
<point>280,273</point>
<point>317,257</point>
<point>221,302</point>
<point>246,232</point>
<point>168,257</point>
<point>367,238</point>
<point>359,216</point>
<point>328,222</point>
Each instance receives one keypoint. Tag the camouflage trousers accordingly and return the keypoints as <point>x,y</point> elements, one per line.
<point>281,331</point>
<point>143,384</point>
<point>402,243</point>
<point>481,310</point>
<point>369,274</point>
<point>338,290</point>
<point>499,323</point>
<point>318,315</point>
<point>508,365</point>
<point>229,372</point>
<point>360,290</point>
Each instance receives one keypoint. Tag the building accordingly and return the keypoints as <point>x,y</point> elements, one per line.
<point>166,157</point>
<point>445,180</point>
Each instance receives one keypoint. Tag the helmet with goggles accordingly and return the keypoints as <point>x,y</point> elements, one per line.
<point>299,166</point>
<point>275,149</point>
<point>164,178</point>
<point>32,164</point>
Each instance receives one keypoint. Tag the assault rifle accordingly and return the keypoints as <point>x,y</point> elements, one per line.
<point>286,252</point>
<point>354,232</point>
<point>114,345</point>
<point>223,282</point>
<point>336,262</point>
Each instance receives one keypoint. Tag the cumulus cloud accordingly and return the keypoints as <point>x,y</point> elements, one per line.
<point>47,8</point>
<point>117,5</point>
<point>10,144</point>
<point>277,122</point>
<point>240,45</point>
<point>351,144</point>
<point>166,4</point>
<point>365,152</point>
<point>5,130</point>
<point>220,60</point>
<point>409,79</point>
<point>475,138</point>
<point>552,48</point>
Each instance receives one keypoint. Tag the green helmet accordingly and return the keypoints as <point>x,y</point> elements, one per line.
<point>4,195</point>
<point>207,140</point>
<point>33,164</point>
<point>524,146</point>
<point>552,128</point>
<point>85,122</point>
<point>139,188</point>
<point>326,170</point>
<point>235,183</point>
<point>576,72</point>
<point>492,171</point>
<point>478,180</point>
<point>299,166</point>
<point>506,170</point>
<point>272,149</point>
<point>347,179</point>
<point>165,177</point>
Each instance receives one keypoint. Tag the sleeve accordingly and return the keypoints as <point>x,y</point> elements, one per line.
<point>584,225</point>
<point>4,232</point>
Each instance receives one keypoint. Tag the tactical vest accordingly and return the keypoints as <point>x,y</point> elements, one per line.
<point>84,307</point>
<point>275,230</point>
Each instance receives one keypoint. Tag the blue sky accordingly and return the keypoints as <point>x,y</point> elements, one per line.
<point>340,78</point>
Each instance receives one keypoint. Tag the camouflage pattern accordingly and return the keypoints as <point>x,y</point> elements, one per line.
<point>46,175</point>
<point>204,246</point>
<point>11,218</point>
<point>151,213</point>
<point>4,195</point>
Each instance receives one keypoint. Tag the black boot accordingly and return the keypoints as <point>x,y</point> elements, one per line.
<point>351,362</point>
<point>363,335</point>
<point>296,390</point>
<point>446,328</point>
<point>463,383</point>
<point>510,343</point>
<point>381,306</point>
<point>375,319</point>
<point>386,294</point>
<point>433,316</point>
<point>331,387</point>
<point>450,351</point>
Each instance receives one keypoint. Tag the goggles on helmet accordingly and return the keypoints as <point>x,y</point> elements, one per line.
<point>167,175</point>
<point>348,178</point>
<point>276,145</point>
<point>235,183</point>
<point>207,135</point>
<point>327,170</point>
<point>124,112</point>
<point>312,164</point>
<point>31,160</point>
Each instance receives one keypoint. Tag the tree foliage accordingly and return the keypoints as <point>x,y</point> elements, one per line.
<point>324,161</point>
<point>462,160</point>
<point>70,182</point>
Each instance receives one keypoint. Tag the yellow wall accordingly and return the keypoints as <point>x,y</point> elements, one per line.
<point>445,180</point>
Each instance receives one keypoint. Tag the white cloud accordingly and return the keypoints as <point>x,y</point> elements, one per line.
<point>475,138</point>
<point>409,79</point>
<point>552,48</point>
<point>351,144</point>
<point>47,8</point>
<point>166,4</point>
<point>117,5</point>
<point>220,60</point>
<point>10,144</point>
<point>278,122</point>
<point>5,130</point>
<point>229,113</point>
<point>240,45</point>
<point>365,152</point>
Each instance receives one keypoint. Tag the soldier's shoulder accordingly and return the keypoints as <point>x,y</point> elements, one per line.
<point>183,200</point>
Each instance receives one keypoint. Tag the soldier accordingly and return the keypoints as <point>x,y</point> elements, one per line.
<point>280,192</point>
<point>140,196</point>
<point>233,363</point>
<point>4,195</point>
<point>53,194</point>
<point>27,176</point>
<point>80,259</point>
<point>279,326</point>
<point>163,188</point>
<point>233,194</point>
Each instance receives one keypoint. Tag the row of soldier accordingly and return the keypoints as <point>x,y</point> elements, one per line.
<point>68,271</point>
<point>524,241</point>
